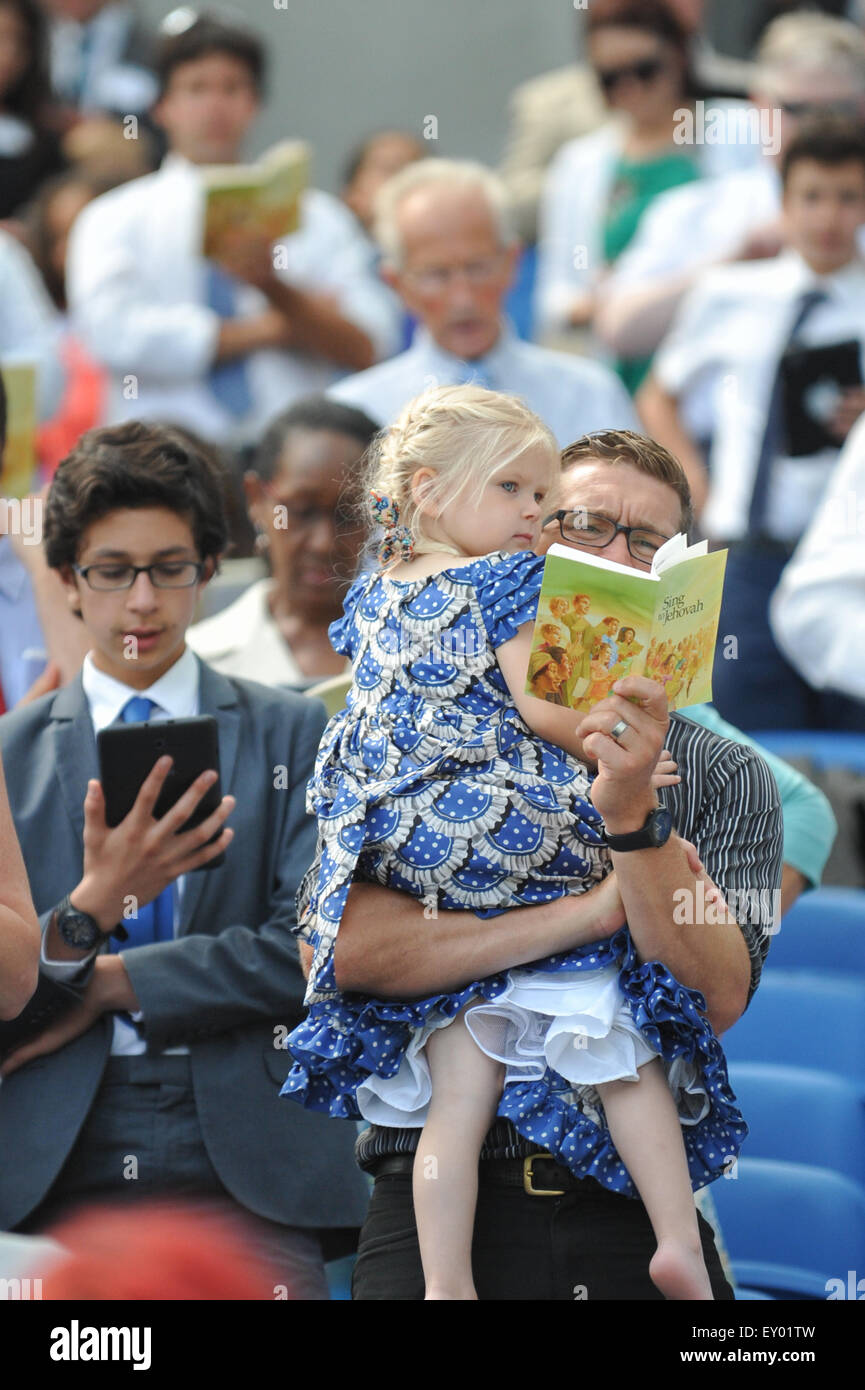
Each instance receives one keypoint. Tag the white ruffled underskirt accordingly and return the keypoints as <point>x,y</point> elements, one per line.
<point>576,1023</point>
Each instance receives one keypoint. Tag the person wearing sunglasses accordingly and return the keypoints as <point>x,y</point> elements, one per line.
<point>807,65</point>
<point>599,186</point>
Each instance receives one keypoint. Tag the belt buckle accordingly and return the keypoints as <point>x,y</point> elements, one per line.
<point>528,1176</point>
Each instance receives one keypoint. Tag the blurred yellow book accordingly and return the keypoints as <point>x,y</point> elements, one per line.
<point>18,474</point>
<point>262,198</point>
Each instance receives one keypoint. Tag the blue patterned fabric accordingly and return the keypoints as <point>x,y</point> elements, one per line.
<point>429,782</point>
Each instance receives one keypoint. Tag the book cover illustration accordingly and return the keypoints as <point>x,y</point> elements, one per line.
<point>598,621</point>
<point>261,199</point>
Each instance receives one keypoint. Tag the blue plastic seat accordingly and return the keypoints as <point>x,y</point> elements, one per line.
<point>802,1116</point>
<point>824,930</point>
<point>803,1019</point>
<point>825,747</point>
<point>790,1228</point>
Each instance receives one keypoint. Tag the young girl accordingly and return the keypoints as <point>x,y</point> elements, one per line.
<point>441,777</point>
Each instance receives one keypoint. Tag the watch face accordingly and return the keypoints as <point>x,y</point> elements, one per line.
<point>660,826</point>
<point>77,929</point>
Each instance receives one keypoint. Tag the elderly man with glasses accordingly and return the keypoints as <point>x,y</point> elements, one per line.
<point>450,253</point>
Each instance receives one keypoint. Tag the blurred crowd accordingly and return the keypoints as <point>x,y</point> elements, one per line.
<point>640,259</point>
<point>672,243</point>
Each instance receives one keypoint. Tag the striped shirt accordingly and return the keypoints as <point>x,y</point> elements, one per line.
<point>727,804</point>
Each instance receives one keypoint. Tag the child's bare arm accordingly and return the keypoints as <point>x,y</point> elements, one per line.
<point>556,723</point>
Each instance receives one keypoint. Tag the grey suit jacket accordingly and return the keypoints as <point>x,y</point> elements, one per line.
<point>227,986</point>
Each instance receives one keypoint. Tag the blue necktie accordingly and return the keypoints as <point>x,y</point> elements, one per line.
<point>774,420</point>
<point>155,920</point>
<point>474,374</point>
<point>229,381</point>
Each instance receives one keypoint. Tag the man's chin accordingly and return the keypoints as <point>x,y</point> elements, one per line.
<point>470,342</point>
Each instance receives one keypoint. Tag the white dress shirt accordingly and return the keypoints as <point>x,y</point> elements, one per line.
<point>699,225</point>
<point>818,610</point>
<point>176,697</point>
<point>731,330</point>
<point>30,327</point>
<point>574,201</point>
<point>137,291</point>
<point>571,394</point>
<point>22,646</point>
<point>90,66</point>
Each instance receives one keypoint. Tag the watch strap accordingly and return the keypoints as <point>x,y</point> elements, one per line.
<point>642,838</point>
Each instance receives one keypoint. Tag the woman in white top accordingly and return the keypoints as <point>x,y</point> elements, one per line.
<point>303,502</point>
<point>599,186</point>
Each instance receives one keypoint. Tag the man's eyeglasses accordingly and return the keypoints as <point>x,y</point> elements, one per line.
<point>847,107</point>
<point>438,278</point>
<point>165,574</point>
<point>588,528</point>
<point>646,70</point>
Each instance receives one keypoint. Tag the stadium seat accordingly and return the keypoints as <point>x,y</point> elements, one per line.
<point>804,1019</point>
<point>791,1228</point>
<point>802,1116</point>
<point>824,930</point>
<point>824,747</point>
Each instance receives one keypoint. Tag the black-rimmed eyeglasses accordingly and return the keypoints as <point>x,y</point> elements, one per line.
<point>591,529</point>
<point>164,574</point>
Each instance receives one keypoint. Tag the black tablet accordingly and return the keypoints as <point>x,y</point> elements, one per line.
<point>128,752</point>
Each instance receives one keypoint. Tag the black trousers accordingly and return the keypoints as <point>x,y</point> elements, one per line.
<point>588,1245</point>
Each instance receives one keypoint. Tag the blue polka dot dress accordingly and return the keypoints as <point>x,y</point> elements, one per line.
<point>430,783</point>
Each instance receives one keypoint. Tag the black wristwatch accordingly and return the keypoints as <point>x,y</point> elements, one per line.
<point>77,928</point>
<point>654,832</point>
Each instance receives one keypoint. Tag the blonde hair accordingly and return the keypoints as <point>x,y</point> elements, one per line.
<point>465,435</point>
<point>441,173</point>
<point>807,40</point>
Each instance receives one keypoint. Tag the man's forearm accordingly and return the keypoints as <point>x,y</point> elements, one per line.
<point>386,947</point>
<point>317,327</point>
<point>710,957</point>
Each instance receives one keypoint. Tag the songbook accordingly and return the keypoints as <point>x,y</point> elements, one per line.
<point>261,199</point>
<point>812,380</point>
<point>18,474</point>
<point>599,621</point>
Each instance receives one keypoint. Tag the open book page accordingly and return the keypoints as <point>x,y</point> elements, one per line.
<point>261,199</point>
<point>594,625</point>
<point>599,621</point>
<point>682,650</point>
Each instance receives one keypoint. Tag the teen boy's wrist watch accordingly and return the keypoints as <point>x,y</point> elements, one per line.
<point>653,833</point>
<point>79,929</point>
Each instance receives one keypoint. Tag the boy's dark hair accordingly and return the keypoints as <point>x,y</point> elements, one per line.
<point>655,17</point>
<point>828,140</point>
<point>132,466</point>
<point>210,34</point>
<point>29,94</point>
<point>311,413</point>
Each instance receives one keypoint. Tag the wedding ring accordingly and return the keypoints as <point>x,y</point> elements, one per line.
<point>618,729</point>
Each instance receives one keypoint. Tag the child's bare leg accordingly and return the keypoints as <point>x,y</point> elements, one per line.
<point>645,1129</point>
<point>466,1087</point>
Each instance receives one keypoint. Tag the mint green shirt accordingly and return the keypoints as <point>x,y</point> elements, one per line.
<point>809,825</point>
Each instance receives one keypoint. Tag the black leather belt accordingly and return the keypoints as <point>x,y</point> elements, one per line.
<point>538,1175</point>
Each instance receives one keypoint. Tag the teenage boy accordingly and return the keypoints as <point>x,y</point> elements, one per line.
<point>218,348</point>
<point>738,330</point>
<point>164,1077</point>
